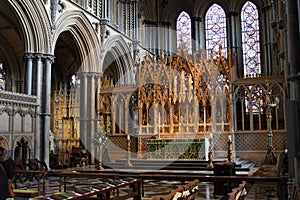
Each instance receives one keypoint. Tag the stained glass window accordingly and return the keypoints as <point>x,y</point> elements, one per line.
<point>184,34</point>
<point>215,30</point>
<point>256,98</point>
<point>250,40</point>
<point>2,77</point>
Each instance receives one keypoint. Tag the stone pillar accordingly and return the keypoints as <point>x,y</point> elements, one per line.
<point>165,37</point>
<point>196,34</point>
<point>267,44</point>
<point>28,65</point>
<point>293,79</point>
<point>83,107</point>
<point>46,113</point>
<point>232,15</point>
<point>38,86</point>
<point>88,108</point>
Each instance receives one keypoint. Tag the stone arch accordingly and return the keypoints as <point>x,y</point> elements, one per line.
<point>122,54</point>
<point>239,4</point>
<point>35,24</point>
<point>173,14</point>
<point>27,29</point>
<point>88,42</point>
<point>202,7</point>
<point>23,148</point>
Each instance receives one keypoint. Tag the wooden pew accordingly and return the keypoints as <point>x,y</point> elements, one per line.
<point>187,192</point>
<point>74,174</point>
<point>237,192</point>
<point>103,191</point>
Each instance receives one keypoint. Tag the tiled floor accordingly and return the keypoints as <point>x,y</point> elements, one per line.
<point>157,188</point>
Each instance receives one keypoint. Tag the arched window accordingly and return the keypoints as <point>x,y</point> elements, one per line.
<point>2,77</point>
<point>215,30</point>
<point>184,34</point>
<point>250,40</point>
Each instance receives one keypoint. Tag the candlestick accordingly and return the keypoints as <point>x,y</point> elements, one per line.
<point>159,125</point>
<point>229,138</point>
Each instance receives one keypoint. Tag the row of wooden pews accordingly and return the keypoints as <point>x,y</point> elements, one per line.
<point>104,190</point>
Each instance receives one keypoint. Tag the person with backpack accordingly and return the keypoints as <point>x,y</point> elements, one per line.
<point>7,171</point>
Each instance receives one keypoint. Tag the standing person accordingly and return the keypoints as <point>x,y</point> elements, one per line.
<point>7,171</point>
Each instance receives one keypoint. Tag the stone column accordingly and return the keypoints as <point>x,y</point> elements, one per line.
<point>46,113</point>
<point>83,107</point>
<point>28,65</point>
<point>196,34</point>
<point>293,79</point>
<point>37,90</point>
<point>232,15</point>
<point>267,44</point>
<point>166,36</point>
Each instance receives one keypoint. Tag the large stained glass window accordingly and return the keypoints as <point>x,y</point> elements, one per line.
<point>250,40</point>
<point>215,30</point>
<point>184,34</point>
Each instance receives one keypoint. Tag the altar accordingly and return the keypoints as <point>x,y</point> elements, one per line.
<point>170,149</point>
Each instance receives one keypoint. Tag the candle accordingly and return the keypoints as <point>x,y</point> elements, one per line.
<point>229,138</point>
<point>159,125</point>
<point>128,137</point>
<point>158,121</point>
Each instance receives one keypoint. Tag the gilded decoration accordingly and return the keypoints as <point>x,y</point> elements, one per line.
<point>175,96</point>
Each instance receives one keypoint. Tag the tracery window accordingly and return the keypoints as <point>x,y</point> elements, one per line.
<point>184,34</point>
<point>250,39</point>
<point>215,30</point>
<point>2,77</point>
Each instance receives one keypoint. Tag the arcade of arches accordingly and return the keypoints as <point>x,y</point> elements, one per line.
<point>190,71</point>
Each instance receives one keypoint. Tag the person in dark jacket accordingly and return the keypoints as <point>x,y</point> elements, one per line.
<point>7,171</point>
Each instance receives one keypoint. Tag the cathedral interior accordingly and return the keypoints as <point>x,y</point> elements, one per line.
<point>151,80</point>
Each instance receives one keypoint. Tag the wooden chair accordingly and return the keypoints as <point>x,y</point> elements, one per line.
<point>75,156</point>
<point>19,166</point>
<point>35,164</point>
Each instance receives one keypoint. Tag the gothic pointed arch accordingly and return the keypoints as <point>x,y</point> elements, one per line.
<point>118,54</point>
<point>86,40</point>
<point>34,23</point>
<point>250,39</point>
<point>184,32</point>
<point>215,30</point>
<point>25,27</point>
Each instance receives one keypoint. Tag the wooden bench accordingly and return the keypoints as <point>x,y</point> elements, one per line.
<point>282,180</point>
<point>188,192</point>
<point>26,193</point>
<point>74,174</point>
<point>39,175</point>
<point>237,192</point>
